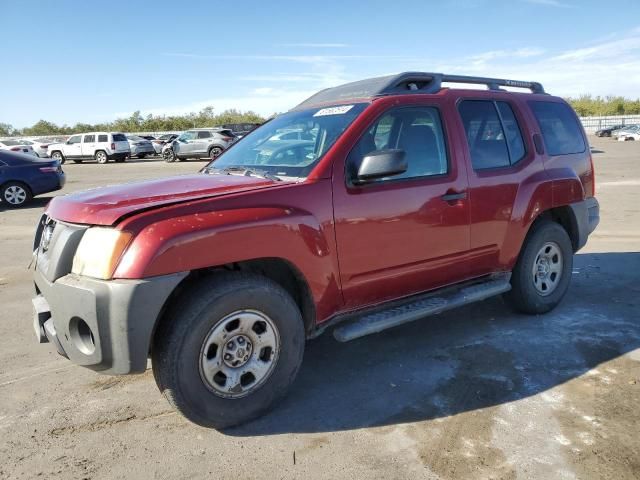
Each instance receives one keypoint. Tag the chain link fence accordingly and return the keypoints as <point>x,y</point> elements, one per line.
<point>592,124</point>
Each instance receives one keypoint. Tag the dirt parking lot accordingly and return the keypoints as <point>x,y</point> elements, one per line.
<point>476,393</point>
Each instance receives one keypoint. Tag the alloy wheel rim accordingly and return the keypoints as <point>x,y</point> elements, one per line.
<point>15,195</point>
<point>239,353</point>
<point>547,269</point>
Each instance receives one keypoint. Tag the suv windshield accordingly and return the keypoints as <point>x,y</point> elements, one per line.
<point>271,150</point>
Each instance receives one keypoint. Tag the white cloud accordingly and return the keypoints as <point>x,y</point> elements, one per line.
<point>610,65</point>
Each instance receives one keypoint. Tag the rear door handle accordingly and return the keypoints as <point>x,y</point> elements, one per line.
<point>453,197</point>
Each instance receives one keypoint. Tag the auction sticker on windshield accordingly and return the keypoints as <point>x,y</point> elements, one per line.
<point>333,111</point>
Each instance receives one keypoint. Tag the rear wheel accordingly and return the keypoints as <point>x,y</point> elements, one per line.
<point>15,194</point>
<point>229,349</point>
<point>101,156</point>
<point>543,271</point>
<point>214,152</point>
<point>58,156</point>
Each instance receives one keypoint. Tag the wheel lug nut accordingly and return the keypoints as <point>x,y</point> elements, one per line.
<point>240,340</point>
<point>230,345</point>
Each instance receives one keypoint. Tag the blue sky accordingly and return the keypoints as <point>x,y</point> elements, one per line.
<point>71,61</point>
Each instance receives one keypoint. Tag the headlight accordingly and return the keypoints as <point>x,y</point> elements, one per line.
<point>99,252</point>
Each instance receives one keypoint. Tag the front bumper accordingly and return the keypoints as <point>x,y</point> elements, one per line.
<point>105,325</point>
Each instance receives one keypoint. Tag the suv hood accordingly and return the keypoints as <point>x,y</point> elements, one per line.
<point>104,206</point>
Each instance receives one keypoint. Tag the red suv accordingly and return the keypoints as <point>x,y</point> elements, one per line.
<point>395,198</point>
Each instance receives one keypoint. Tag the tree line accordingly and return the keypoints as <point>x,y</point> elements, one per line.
<point>590,106</point>
<point>585,106</point>
<point>137,122</point>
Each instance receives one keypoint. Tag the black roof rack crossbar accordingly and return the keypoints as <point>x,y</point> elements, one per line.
<point>408,82</point>
<point>420,82</point>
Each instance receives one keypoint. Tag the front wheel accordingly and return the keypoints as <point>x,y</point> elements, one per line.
<point>169,155</point>
<point>228,349</point>
<point>543,271</point>
<point>58,156</point>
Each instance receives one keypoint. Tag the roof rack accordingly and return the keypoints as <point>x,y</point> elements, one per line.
<point>412,83</point>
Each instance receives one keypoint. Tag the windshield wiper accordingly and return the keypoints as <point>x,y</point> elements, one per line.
<point>248,172</point>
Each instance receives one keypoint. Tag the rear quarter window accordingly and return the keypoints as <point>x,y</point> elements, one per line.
<point>103,138</point>
<point>559,126</point>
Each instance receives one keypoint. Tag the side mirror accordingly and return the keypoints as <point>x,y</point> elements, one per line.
<point>381,163</point>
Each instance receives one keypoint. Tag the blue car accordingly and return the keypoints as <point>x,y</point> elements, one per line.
<point>22,177</point>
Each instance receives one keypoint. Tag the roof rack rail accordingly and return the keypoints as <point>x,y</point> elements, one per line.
<point>423,82</point>
<point>408,82</point>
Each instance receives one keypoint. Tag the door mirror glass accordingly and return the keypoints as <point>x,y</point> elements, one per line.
<point>380,164</point>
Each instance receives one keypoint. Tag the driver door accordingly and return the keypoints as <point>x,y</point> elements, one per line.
<point>185,144</point>
<point>73,147</point>
<point>406,233</point>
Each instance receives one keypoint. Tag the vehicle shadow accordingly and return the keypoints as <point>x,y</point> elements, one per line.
<point>472,358</point>
<point>35,203</point>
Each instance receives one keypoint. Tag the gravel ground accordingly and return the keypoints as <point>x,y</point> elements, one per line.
<point>476,393</point>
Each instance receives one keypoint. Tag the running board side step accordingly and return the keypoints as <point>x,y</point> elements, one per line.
<point>417,309</point>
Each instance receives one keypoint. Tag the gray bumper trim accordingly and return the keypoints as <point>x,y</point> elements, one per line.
<point>587,217</point>
<point>120,313</point>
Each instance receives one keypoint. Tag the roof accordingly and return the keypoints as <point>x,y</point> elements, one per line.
<point>407,83</point>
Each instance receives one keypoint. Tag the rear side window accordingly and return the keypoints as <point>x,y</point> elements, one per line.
<point>486,139</point>
<point>204,134</point>
<point>559,126</point>
<point>103,138</point>
<point>89,138</point>
<point>118,137</point>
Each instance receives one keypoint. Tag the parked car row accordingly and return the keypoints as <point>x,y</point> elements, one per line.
<point>620,132</point>
<point>22,176</point>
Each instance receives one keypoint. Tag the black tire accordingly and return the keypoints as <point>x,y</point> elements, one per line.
<point>121,160</point>
<point>101,157</point>
<point>179,340</point>
<point>57,155</point>
<point>524,296</point>
<point>169,155</point>
<point>214,152</point>
<point>15,194</point>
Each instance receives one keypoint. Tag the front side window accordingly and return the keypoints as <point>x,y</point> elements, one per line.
<point>187,136</point>
<point>559,126</point>
<point>265,149</point>
<point>74,139</point>
<point>417,131</point>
